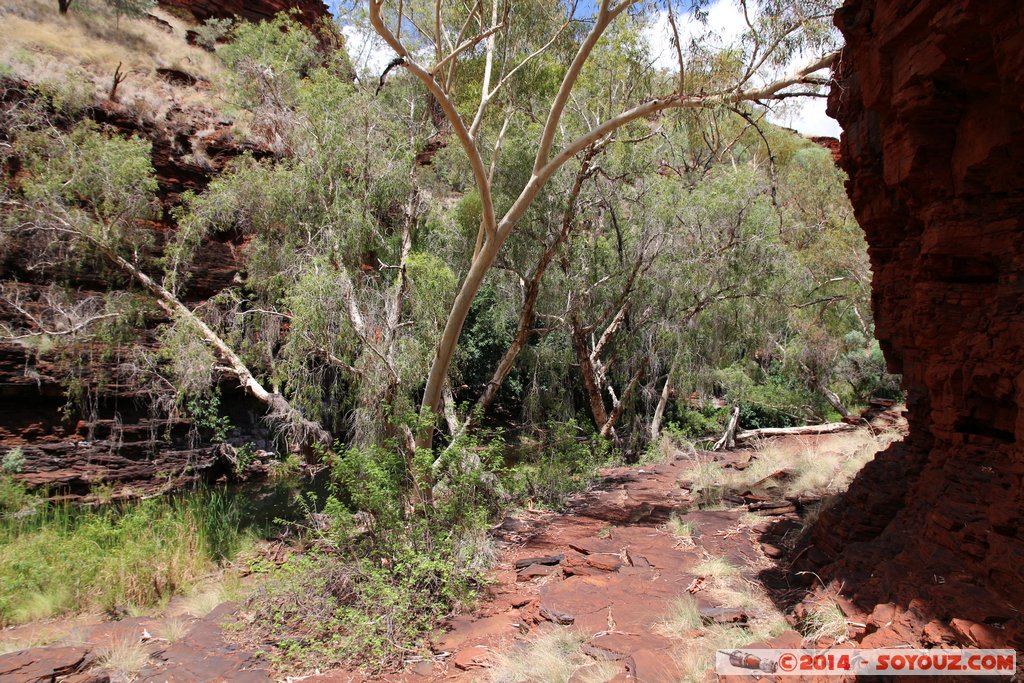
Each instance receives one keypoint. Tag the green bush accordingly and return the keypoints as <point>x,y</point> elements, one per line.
<point>566,460</point>
<point>13,461</point>
<point>691,424</point>
<point>379,573</point>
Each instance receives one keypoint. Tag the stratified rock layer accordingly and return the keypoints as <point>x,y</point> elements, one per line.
<point>930,95</point>
<point>309,12</point>
<point>117,442</point>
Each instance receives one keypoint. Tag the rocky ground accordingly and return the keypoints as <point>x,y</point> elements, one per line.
<point>632,582</point>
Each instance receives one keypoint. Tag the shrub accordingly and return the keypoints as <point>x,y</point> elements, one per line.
<point>690,424</point>
<point>212,31</point>
<point>13,461</point>
<point>380,571</point>
<point>565,461</point>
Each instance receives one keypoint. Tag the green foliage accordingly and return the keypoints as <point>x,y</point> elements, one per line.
<point>378,578</point>
<point>268,59</point>
<point>13,461</point>
<point>564,461</point>
<point>112,176</point>
<point>774,401</point>
<point>139,554</point>
<point>204,411</point>
<point>863,368</point>
<point>688,423</point>
<point>212,31</point>
<point>133,9</point>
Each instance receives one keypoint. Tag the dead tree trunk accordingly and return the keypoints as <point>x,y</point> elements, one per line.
<point>118,79</point>
<point>833,399</point>
<point>728,439</point>
<point>659,410</point>
<point>807,430</point>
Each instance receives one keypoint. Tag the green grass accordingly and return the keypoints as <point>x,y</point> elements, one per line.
<point>56,558</point>
<point>683,616</point>
<point>716,568</point>
<point>680,528</point>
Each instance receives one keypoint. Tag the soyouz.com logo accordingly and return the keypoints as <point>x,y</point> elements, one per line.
<point>890,661</point>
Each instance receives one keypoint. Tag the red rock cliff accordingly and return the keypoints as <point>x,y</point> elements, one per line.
<point>930,94</point>
<point>310,11</point>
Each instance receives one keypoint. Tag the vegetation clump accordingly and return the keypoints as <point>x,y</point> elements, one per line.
<point>135,555</point>
<point>462,286</point>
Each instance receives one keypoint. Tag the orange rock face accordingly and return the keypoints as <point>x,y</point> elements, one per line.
<point>930,94</point>
<point>310,12</point>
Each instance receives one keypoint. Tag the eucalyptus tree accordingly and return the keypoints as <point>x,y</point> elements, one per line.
<point>775,33</point>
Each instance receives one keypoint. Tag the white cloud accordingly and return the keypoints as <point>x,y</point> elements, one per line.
<point>725,24</point>
<point>807,116</point>
<point>368,52</point>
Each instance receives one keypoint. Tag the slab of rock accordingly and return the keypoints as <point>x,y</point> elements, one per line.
<point>534,571</point>
<point>605,562</point>
<point>42,664</point>
<point>547,559</point>
<point>722,615</point>
<point>471,657</point>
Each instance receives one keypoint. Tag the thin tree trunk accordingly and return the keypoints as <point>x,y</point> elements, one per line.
<point>833,399</point>
<point>589,375</point>
<point>608,429</point>
<point>63,6</point>
<point>728,439</point>
<point>527,312</point>
<point>305,433</point>
<point>659,410</point>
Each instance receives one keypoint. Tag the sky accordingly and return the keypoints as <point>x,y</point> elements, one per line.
<point>805,115</point>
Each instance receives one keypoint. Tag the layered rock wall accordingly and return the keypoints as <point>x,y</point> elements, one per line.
<point>930,94</point>
<point>309,12</point>
<point>110,437</point>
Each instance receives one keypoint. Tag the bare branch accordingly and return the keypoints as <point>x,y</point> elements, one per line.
<point>475,160</point>
<point>605,16</point>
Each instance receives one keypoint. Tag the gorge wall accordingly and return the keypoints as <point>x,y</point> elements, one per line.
<point>928,541</point>
<point>309,12</point>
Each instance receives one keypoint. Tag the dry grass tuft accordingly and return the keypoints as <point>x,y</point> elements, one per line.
<point>697,656</point>
<point>716,568</point>
<point>173,629</point>
<point>825,620</point>
<point>83,48</point>
<point>202,602</point>
<point>125,656</point>
<point>683,616</point>
<point>681,528</point>
<point>549,658</point>
<point>814,469</point>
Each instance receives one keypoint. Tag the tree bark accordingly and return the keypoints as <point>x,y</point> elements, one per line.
<point>304,433</point>
<point>659,410</point>
<point>833,399</point>
<point>63,6</point>
<point>527,314</point>
<point>589,375</point>
<point>728,439</point>
<point>545,166</point>
<point>807,430</point>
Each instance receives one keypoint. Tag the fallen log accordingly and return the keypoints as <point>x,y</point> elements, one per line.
<point>806,430</point>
